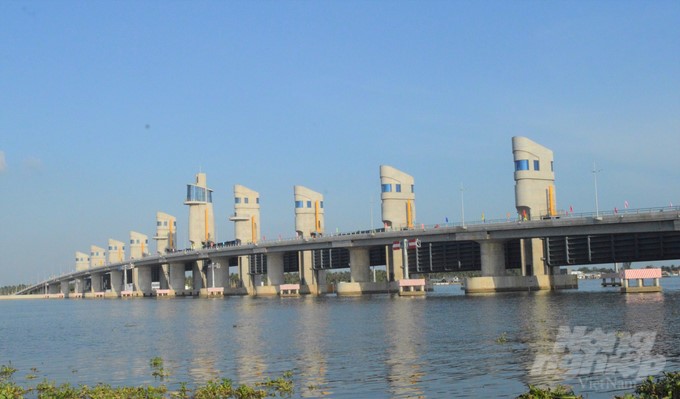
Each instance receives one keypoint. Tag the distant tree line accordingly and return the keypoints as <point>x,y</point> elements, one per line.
<point>11,289</point>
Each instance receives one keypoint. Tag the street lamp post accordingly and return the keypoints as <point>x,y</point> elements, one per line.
<point>597,204</point>
<point>462,205</point>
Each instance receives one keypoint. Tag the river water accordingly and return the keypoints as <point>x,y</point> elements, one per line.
<point>378,346</point>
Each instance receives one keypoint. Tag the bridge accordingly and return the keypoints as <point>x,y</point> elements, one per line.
<point>493,248</point>
<point>522,253</point>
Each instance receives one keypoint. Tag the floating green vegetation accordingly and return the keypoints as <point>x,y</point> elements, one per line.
<point>666,386</point>
<point>159,372</point>
<point>214,389</point>
<point>558,392</point>
<point>502,339</point>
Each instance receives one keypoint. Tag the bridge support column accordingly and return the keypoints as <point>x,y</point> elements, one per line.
<point>492,257</point>
<point>211,270</point>
<point>360,272</point>
<point>65,288</point>
<point>164,277</point>
<point>54,288</point>
<point>275,268</point>
<point>307,275</point>
<point>199,275</point>
<point>244,274</point>
<point>359,265</point>
<point>176,280</point>
<point>274,278</point>
<point>96,283</point>
<point>79,286</point>
<point>141,278</point>
<point>532,257</point>
<point>116,282</point>
<point>395,263</point>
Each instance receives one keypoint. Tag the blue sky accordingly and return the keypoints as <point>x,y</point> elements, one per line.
<point>108,109</point>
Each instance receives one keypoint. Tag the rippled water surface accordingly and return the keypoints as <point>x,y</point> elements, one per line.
<point>380,346</point>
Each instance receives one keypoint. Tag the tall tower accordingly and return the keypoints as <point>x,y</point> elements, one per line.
<point>534,179</point>
<point>97,256</point>
<point>139,245</point>
<point>166,232</point>
<point>398,198</point>
<point>82,261</point>
<point>116,251</point>
<point>246,214</point>
<point>309,213</point>
<point>201,218</point>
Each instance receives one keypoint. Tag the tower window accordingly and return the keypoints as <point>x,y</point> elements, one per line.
<point>309,204</point>
<point>398,188</point>
<point>237,200</point>
<point>299,204</point>
<point>537,165</point>
<point>522,164</point>
<point>321,204</point>
<point>245,200</point>
<point>386,188</point>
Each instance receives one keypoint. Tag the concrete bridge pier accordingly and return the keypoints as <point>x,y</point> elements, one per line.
<point>141,279</point>
<point>176,279</point>
<point>96,283</point>
<point>534,276</point>
<point>360,271</point>
<point>54,288</point>
<point>395,264</point>
<point>200,279</point>
<point>116,283</point>
<point>217,272</point>
<point>492,255</point>
<point>307,280</point>
<point>79,286</point>
<point>274,277</point>
<point>164,277</point>
<point>245,278</point>
<point>65,289</point>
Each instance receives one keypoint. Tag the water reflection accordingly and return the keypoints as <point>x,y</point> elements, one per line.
<point>404,327</point>
<point>311,363</point>
<point>249,342</point>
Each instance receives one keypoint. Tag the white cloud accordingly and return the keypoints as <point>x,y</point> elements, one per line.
<point>3,163</point>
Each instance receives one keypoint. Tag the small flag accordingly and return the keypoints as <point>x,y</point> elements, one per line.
<point>625,204</point>
<point>616,210</point>
<point>447,219</point>
<point>571,209</point>
<point>524,214</point>
<point>483,218</point>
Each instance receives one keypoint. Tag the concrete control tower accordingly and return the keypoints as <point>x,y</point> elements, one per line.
<point>166,232</point>
<point>309,213</point>
<point>534,179</point>
<point>246,214</point>
<point>201,218</point>
<point>398,198</point>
